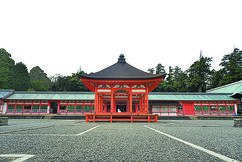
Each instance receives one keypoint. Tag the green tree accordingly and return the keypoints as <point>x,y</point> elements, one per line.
<point>160,69</point>
<point>151,70</point>
<point>75,84</point>
<point>180,80</point>
<point>58,83</point>
<point>80,71</point>
<point>39,79</point>
<point>162,87</point>
<point>216,78</point>
<point>167,84</point>
<point>20,80</point>
<point>231,67</point>
<point>68,83</point>
<point>38,86</point>
<point>6,66</point>
<point>198,74</point>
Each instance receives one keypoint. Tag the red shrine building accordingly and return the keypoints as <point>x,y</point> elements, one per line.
<point>122,92</point>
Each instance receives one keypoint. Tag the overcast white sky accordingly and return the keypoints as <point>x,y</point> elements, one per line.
<point>62,35</point>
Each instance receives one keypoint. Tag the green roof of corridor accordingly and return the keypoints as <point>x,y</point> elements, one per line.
<point>162,96</point>
<point>51,96</point>
<point>174,96</point>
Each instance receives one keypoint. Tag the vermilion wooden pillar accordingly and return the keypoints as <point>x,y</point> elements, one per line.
<point>112,101</point>
<point>147,102</point>
<point>130,101</point>
<point>96,101</point>
<point>101,106</point>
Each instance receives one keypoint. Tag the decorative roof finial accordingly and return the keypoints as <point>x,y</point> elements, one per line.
<point>121,58</point>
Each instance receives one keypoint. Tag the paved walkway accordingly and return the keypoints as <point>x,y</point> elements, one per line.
<point>74,140</point>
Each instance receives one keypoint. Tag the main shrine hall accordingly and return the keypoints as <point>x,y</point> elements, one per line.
<point>121,92</point>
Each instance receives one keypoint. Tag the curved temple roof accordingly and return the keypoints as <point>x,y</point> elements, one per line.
<point>121,71</point>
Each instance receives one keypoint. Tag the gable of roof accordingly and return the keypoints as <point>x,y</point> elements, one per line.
<point>233,88</point>
<point>5,93</point>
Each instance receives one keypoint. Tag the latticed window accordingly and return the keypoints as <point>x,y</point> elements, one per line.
<point>230,108</point>
<point>197,108</point>
<point>11,106</point>
<point>71,107</point>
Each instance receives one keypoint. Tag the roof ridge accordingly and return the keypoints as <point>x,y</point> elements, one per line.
<point>52,92</point>
<point>7,90</point>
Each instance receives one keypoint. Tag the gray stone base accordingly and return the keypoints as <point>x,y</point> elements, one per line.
<point>237,122</point>
<point>3,121</point>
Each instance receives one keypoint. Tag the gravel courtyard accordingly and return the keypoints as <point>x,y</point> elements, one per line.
<point>75,140</point>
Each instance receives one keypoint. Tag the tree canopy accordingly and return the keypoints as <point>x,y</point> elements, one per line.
<point>6,67</point>
<point>231,67</point>
<point>20,80</point>
<point>39,79</point>
<point>197,78</point>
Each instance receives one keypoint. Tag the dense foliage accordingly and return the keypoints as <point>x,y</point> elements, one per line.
<point>197,78</point>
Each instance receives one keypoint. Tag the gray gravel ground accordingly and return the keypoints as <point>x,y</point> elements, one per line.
<point>120,141</point>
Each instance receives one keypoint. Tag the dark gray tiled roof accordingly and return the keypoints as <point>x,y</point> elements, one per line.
<point>122,71</point>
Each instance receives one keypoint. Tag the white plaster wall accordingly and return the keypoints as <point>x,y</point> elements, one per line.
<point>4,108</point>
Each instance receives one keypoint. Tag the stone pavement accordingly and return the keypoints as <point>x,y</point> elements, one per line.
<point>75,140</point>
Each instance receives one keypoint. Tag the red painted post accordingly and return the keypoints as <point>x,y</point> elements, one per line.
<point>209,108</point>
<point>75,108</point>
<point>201,107</point>
<point>112,101</point>
<point>105,110</point>
<point>156,118</point>
<point>83,104</point>
<point>147,102</point>
<point>41,104</point>
<point>96,110</point>
<point>102,104</point>
<point>67,107</point>
<point>141,105</point>
<point>235,105</point>
<point>23,107</point>
<point>15,102</point>
<point>136,108</point>
<point>130,102</point>
<point>226,108</point>
<point>218,108</point>
<point>98,104</point>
